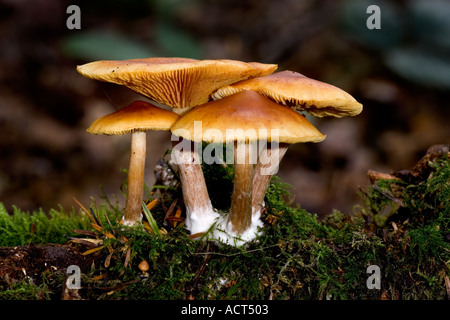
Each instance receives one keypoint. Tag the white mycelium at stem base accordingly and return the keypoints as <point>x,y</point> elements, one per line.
<point>242,223</point>
<point>135,184</point>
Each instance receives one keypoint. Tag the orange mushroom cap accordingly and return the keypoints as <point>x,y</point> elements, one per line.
<point>138,116</point>
<point>246,116</point>
<point>175,82</point>
<point>295,90</point>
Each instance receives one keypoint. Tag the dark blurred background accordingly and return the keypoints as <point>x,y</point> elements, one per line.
<point>400,73</point>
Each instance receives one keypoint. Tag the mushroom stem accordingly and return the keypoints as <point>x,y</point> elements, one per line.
<point>199,211</point>
<point>240,215</point>
<point>135,189</point>
<point>264,171</point>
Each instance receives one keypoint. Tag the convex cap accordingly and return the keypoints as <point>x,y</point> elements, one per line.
<point>294,90</point>
<point>245,116</point>
<point>138,116</point>
<point>175,82</point>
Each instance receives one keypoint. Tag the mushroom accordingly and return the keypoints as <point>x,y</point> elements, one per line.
<point>298,92</point>
<point>179,83</point>
<point>144,267</point>
<point>136,118</point>
<point>244,118</point>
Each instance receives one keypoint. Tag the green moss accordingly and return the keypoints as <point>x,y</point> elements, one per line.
<point>23,228</point>
<point>46,288</point>
<point>24,290</point>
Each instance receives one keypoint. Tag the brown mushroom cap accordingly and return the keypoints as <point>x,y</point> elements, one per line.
<point>294,90</point>
<point>138,116</point>
<point>143,266</point>
<point>250,112</point>
<point>175,82</point>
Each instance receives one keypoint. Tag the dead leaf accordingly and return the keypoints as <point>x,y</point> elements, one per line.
<point>90,251</point>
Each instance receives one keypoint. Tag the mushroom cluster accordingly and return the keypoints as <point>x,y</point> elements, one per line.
<point>179,83</point>
<point>245,105</point>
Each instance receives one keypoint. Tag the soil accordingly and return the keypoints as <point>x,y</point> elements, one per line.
<point>33,261</point>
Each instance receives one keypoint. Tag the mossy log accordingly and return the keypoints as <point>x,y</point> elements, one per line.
<point>401,230</point>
